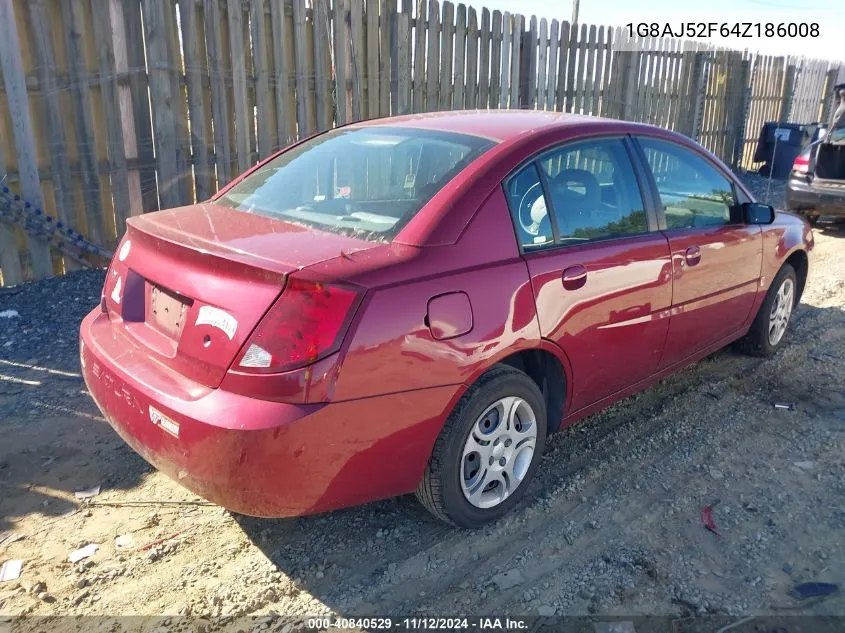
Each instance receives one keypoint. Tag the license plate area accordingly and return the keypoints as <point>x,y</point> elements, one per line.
<point>168,311</point>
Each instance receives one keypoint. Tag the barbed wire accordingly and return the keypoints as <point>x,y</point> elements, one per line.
<point>16,211</point>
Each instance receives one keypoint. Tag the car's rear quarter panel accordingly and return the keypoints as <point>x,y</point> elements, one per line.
<point>390,347</point>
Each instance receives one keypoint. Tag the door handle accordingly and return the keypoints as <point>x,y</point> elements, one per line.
<point>574,277</point>
<point>693,255</point>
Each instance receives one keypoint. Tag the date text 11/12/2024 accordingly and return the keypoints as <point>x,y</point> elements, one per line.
<point>421,623</point>
<point>723,29</point>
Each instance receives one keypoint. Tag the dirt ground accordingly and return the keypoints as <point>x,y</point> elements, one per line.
<point>612,524</point>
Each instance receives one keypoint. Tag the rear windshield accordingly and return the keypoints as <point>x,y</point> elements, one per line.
<point>368,182</point>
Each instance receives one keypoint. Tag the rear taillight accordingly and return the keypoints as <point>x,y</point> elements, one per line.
<point>306,323</point>
<point>802,164</point>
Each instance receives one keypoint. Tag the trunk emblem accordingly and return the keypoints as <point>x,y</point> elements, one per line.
<point>215,317</point>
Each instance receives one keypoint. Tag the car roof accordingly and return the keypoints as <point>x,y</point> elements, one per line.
<point>495,125</point>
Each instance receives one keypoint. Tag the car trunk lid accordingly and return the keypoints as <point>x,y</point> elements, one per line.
<point>189,285</point>
<point>829,168</point>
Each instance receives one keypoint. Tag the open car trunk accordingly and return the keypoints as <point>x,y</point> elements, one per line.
<point>830,162</point>
<point>830,159</point>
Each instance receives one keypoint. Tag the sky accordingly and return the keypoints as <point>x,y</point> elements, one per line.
<point>828,14</point>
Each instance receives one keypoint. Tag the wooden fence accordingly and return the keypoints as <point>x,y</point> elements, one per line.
<point>112,108</point>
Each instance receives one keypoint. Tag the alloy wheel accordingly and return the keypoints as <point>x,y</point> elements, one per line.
<point>781,311</point>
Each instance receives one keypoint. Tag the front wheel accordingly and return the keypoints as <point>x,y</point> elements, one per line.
<point>768,331</point>
<point>487,451</point>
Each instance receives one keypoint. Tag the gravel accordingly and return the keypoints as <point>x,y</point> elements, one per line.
<point>765,190</point>
<point>46,334</point>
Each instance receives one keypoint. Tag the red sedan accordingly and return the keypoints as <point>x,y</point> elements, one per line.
<point>415,303</point>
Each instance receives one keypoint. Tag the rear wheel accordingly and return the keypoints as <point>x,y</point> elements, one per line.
<point>768,331</point>
<point>487,451</point>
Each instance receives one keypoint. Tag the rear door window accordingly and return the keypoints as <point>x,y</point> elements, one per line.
<point>580,192</point>
<point>594,191</point>
<point>364,181</point>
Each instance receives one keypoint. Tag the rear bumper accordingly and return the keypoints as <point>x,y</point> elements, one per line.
<point>254,456</point>
<point>804,198</point>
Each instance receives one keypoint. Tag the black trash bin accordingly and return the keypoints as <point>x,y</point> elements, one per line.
<point>780,144</point>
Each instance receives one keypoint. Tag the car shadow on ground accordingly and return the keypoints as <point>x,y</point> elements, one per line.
<point>55,443</point>
<point>362,547</point>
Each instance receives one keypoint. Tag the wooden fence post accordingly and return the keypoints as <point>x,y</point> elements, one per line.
<point>340,22</point>
<point>418,104</point>
<point>217,82</point>
<point>553,78</point>
<point>542,64</point>
<point>322,78</point>
<point>386,11</point>
<point>15,82</point>
<point>242,118</point>
<point>52,113</point>
<point>787,93</point>
<point>303,114</point>
<point>403,65</point>
<point>114,128</point>
<point>524,57</point>
<point>432,84</point>
<point>447,37</point>
<point>75,35</point>
<point>162,100</point>
<point>562,64</point>
<point>471,79</point>
<point>10,260</point>
<point>460,79</point>
<point>631,72</point>
<point>494,62</point>
<point>516,66</point>
<point>128,124</point>
<point>829,99</point>
<point>528,55</point>
<point>700,75</point>
<point>742,112</point>
<point>194,72</point>
<point>264,110</point>
<point>505,50</point>
<point>140,103</point>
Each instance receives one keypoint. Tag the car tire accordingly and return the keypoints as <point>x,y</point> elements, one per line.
<point>498,410</point>
<point>768,331</point>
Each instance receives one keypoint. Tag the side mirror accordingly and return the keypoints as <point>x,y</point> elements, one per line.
<point>756,213</point>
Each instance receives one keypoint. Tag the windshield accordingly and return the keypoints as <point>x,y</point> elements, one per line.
<point>364,181</point>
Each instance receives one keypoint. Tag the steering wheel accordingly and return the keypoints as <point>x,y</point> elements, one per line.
<point>532,209</point>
